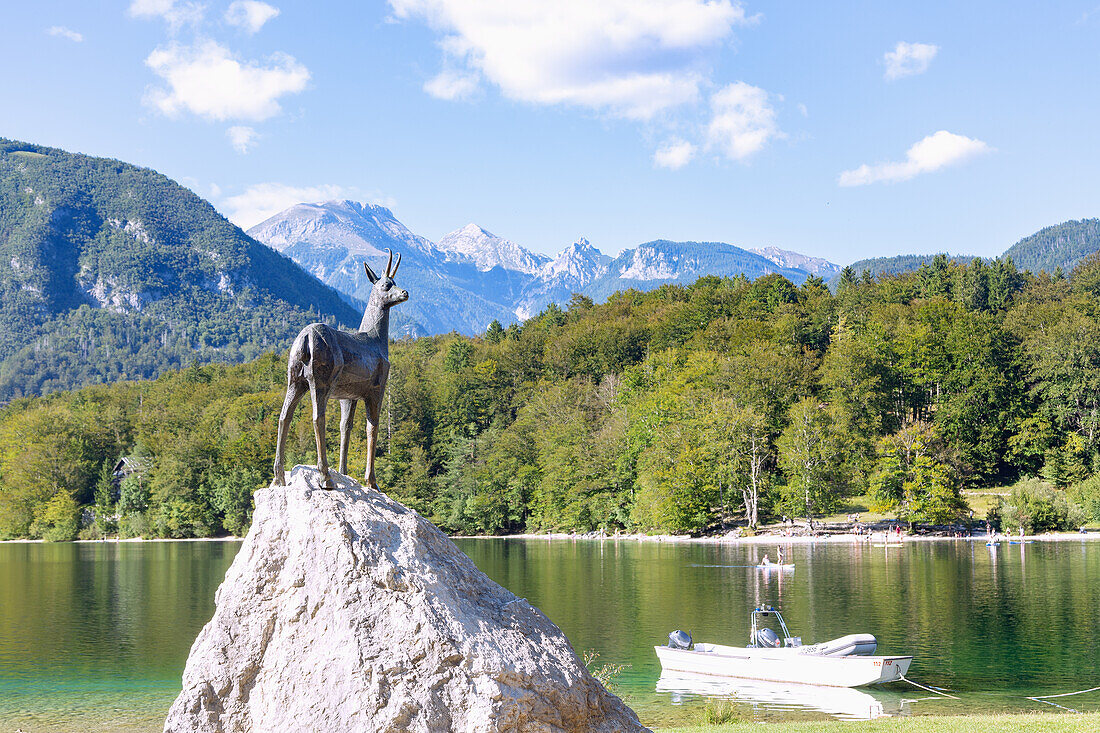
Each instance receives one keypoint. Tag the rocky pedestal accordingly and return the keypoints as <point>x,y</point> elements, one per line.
<point>345,611</point>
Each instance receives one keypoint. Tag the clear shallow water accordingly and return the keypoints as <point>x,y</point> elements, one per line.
<point>995,625</point>
<point>95,636</point>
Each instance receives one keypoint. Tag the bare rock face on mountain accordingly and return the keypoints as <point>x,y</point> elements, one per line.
<point>345,611</point>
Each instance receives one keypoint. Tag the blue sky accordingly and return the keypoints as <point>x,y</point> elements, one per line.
<point>843,130</point>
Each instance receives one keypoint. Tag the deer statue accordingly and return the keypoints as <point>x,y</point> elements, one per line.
<point>349,367</point>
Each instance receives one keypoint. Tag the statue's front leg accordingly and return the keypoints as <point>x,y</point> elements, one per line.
<point>347,415</point>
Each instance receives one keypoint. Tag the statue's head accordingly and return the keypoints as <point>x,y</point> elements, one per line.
<point>384,287</point>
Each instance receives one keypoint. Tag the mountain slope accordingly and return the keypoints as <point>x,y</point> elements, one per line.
<point>1063,245</point>
<point>331,240</point>
<point>656,263</point>
<point>110,271</point>
<point>796,260</point>
<point>572,271</point>
<point>484,249</point>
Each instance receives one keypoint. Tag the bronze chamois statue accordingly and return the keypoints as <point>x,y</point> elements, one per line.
<point>346,366</point>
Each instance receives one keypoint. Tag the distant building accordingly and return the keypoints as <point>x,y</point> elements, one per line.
<point>127,466</point>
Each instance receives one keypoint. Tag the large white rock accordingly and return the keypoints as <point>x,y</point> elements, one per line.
<point>345,611</point>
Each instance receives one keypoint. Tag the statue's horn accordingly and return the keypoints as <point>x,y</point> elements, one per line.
<point>394,273</point>
<point>390,262</point>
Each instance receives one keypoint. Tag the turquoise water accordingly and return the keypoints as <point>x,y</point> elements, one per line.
<point>94,636</point>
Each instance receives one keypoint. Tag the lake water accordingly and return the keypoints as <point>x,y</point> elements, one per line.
<point>95,636</point>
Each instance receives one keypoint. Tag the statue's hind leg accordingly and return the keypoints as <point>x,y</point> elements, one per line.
<point>319,397</point>
<point>294,391</point>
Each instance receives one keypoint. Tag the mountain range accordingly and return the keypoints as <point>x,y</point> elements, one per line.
<point>112,271</point>
<point>471,277</point>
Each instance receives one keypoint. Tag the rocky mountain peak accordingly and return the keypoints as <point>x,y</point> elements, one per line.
<point>484,249</point>
<point>796,260</point>
<point>577,265</point>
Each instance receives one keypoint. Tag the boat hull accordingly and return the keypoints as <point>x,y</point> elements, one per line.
<point>784,665</point>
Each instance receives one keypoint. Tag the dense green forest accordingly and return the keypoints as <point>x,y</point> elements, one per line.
<point>675,410</point>
<point>897,265</point>
<point>1059,247</point>
<point>111,271</point>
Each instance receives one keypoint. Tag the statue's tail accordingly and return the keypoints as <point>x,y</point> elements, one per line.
<point>302,354</point>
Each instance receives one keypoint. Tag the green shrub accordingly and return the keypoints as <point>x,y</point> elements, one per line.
<point>1087,494</point>
<point>723,710</point>
<point>1037,507</point>
<point>133,525</point>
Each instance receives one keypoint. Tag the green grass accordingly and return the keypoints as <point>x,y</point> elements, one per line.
<point>860,505</point>
<point>1027,722</point>
<point>982,500</point>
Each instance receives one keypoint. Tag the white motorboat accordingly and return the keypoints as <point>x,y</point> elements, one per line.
<point>849,661</point>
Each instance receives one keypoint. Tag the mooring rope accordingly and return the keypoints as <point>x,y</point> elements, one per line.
<point>1040,698</point>
<point>923,687</point>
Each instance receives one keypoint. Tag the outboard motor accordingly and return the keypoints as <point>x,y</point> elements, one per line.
<point>679,640</point>
<point>767,638</point>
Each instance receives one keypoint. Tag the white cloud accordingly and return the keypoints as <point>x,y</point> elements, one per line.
<point>909,59</point>
<point>175,14</point>
<point>674,154</point>
<point>250,14</point>
<point>630,58</point>
<point>206,80</point>
<point>242,138</point>
<point>930,154</point>
<point>263,200</point>
<point>742,121</point>
<point>452,85</point>
<point>63,32</point>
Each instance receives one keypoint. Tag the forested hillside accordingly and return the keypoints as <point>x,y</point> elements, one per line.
<point>1054,249</point>
<point>673,410</point>
<point>109,271</point>
<point>897,265</point>
<point>1058,247</point>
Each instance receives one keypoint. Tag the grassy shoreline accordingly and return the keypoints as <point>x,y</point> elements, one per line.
<point>1053,722</point>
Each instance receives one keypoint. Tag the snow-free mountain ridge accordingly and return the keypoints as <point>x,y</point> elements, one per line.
<point>472,276</point>
<point>795,260</point>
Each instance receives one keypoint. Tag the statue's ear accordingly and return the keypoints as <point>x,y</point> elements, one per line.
<point>370,274</point>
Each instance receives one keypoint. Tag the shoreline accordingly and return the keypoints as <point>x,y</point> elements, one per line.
<point>115,540</point>
<point>765,539</point>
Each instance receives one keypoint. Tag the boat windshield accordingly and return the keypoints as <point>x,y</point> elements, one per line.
<point>761,631</point>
